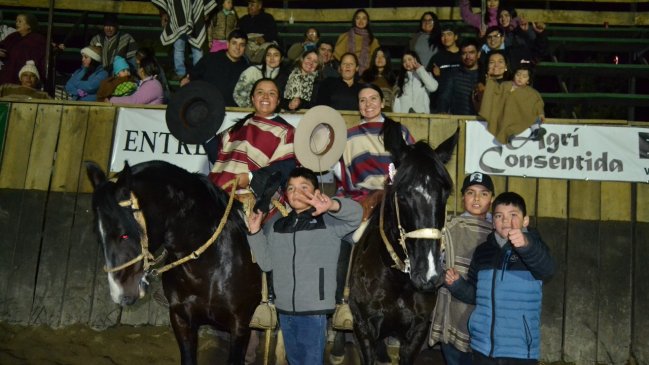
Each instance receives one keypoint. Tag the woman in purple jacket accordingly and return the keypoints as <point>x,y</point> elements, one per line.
<point>149,90</point>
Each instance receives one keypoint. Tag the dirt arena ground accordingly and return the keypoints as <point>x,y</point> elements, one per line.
<point>123,345</point>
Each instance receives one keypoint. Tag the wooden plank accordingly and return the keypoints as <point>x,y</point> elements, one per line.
<point>52,267</point>
<point>67,166</point>
<point>22,275</point>
<point>418,127</point>
<point>158,313</point>
<point>456,205</point>
<point>552,200</point>
<point>554,233</point>
<point>616,201</point>
<point>525,187</point>
<point>81,270</point>
<point>615,291</point>
<point>642,197</point>
<point>584,200</point>
<point>439,130</point>
<point>98,142</point>
<point>138,313</point>
<point>640,330</point>
<point>582,270</point>
<point>10,208</point>
<point>104,312</point>
<point>17,145</point>
<point>41,157</point>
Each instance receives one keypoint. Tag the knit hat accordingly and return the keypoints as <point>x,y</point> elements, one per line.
<point>30,66</point>
<point>119,64</point>
<point>93,52</point>
<point>478,178</point>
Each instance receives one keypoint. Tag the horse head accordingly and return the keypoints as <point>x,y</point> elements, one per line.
<point>419,193</point>
<point>119,234</point>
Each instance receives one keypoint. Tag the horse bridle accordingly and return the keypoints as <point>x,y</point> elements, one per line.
<point>147,257</point>
<point>424,233</point>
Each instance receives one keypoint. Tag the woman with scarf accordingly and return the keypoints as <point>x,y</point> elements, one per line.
<point>358,40</point>
<point>271,68</point>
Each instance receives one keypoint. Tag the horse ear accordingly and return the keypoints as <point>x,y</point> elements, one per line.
<point>95,174</point>
<point>445,149</point>
<point>124,182</point>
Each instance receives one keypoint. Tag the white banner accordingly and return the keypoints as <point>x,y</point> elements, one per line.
<point>142,135</point>
<point>583,152</point>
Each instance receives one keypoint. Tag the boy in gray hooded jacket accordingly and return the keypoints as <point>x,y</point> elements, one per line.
<point>302,251</point>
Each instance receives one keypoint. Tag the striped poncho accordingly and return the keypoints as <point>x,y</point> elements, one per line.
<point>365,161</point>
<point>185,17</point>
<point>258,143</point>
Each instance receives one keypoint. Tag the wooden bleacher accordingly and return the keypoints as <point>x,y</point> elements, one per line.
<point>578,36</point>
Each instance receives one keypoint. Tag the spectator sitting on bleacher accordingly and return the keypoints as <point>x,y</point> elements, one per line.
<point>21,46</point>
<point>455,96</point>
<point>270,69</point>
<point>328,64</point>
<point>497,67</point>
<point>427,41</point>
<point>29,83</point>
<point>480,21</point>
<point>84,82</point>
<point>222,69</point>
<point>380,74</point>
<point>146,52</point>
<point>413,85</point>
<point>301,85</point>
<point>114,43</point>
<point>358,40</point>
<point>511,107</point>
<point>444,62</point>
<point>341,93</point>
<point>120,84</point>
<point>517,53</point>
<point>149,90</point>
<point>260,28</point>
<point>310,42</point>
<point>223,22</point>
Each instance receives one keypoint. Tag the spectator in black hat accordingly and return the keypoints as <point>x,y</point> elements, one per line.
<point>115,43</point>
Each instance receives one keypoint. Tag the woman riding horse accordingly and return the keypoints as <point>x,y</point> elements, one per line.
<point>257,150</point>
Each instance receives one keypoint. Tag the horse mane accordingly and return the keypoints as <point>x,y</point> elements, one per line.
<point>419,162</point>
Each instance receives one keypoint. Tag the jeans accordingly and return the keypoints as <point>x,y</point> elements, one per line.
<point>304,338</point>
<point>179,55</point>
<point>480,359</point>
<point>453,356</point>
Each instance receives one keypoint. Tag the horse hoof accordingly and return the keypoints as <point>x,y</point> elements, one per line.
<point>336,360</point>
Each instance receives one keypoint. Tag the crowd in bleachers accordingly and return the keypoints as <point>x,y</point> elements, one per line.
<point>439,73</point>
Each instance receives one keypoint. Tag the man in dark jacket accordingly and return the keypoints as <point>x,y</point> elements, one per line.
<point>260,28</point>
<point>455,95</point>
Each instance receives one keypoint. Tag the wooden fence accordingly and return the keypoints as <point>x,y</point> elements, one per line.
<point>594,309</point>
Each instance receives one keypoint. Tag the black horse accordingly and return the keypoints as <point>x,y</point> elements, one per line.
<point>392,294</point>
<point>178,211</point>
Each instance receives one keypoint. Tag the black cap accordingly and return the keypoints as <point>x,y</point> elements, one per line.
<point>478,178</point>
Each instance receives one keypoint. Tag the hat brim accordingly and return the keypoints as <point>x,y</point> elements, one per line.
<point>320,138</point>
<point>195,112</point>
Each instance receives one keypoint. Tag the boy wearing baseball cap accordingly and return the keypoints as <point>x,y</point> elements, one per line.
<point>462,235</point>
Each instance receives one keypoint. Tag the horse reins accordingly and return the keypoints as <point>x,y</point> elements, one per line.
<point>424,233</point>
<point>146,255</point>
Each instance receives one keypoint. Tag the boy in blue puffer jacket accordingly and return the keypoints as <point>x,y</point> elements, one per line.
<point>505,283</point>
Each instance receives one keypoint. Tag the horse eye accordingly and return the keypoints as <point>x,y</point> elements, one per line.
<point>123,237</point>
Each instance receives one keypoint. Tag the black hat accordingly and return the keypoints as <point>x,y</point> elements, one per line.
<point>110,19</point>
<point>478,178</point>
<point>195,112</point>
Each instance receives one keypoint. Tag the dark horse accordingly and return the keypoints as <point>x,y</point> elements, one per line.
<point>392,295</point>
<point>221,287</point>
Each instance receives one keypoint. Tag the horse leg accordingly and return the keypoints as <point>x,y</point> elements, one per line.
<point>409,349</point>
<point>366,342</point>
<point>382,356</point>
<point>186,337</point>
<point>239,338</point>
